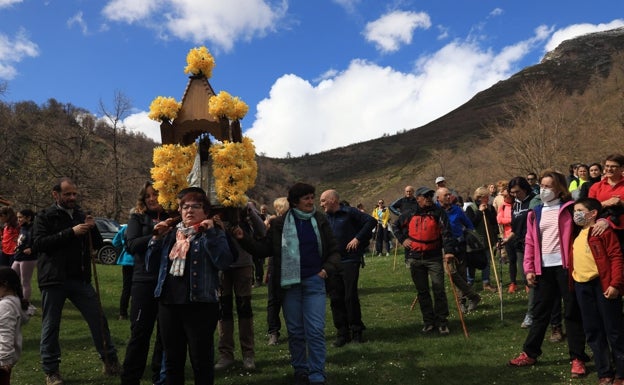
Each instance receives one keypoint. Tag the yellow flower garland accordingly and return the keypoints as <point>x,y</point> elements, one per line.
<point>199,62</point>
<point>235,169</point>
<point>224,104</point>
<point>163,108</point>
<point>172,164</point>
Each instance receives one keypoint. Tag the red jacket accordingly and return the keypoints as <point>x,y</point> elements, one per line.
<point>609,260</point>
<point>602,191</point>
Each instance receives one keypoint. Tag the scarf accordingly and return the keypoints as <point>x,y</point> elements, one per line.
<point>291,258</point>
<point>180,248</point>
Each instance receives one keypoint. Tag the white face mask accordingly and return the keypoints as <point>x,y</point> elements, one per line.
<point>547,194</point>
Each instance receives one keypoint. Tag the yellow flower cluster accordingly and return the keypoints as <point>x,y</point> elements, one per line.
<point>224,104</point>
<point>199,62</point>
<point>172,164</point>
<point>163,108</point>
<point>235,169</point>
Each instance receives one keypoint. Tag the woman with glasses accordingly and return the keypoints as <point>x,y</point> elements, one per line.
<point>190,256</point>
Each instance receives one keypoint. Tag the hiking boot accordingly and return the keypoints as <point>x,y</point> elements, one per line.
<point>512,288</point>
<point>427,329</point>
<point>301,378</point>
<point>473,302</point>
<point>249,363</point>
<point>223,363</point>
<point>112,368</point>
<point>527,322</point>
<point>578,368</point>
<point>273,339</point>
<point>490,288</point>
<point>556,335</point>
<point>54,379</point>
<point>522,360</point>
<point>341,340</point>
<point>444,330</point>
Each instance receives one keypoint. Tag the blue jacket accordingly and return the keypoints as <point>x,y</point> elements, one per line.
<point>208,253</point>
<point>119,242</point>
<point>458,220</point>
<point>348,223</point>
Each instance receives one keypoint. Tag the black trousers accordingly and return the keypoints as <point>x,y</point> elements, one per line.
<point>345,300</point>
<point>143,315</point>
<point>189,327</point>
<point>124,299</point>
<point>552,283</point>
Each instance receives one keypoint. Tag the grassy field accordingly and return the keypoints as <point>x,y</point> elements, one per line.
<point>395,351</point>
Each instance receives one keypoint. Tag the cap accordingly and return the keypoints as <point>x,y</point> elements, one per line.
<point>439,179</point>
<point>423,190</point>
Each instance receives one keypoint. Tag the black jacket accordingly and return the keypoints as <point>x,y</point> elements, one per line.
<point>138,235</point>
<point>61,254</point>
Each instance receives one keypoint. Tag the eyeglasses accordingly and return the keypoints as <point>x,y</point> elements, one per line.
<point>193,206</point>
<point>380,203</point>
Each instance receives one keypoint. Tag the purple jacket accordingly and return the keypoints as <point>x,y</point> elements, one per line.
<point>533,241</point>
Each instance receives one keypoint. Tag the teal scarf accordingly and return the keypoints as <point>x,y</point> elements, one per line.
<point>291,260</point>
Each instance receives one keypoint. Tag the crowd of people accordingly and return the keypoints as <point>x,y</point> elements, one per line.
<point>186,272</point>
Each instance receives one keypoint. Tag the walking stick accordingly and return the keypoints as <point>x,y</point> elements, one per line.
<point>500,290</point>
<point>99,301</point>
<point>396,247</point>
<point>461,314</point>
<point>414,302</point>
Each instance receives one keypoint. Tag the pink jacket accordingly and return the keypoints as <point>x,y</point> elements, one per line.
<point>503,217</point>
<point>533,241</point>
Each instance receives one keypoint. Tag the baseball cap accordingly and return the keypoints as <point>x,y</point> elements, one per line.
<point>440,179</point>
<point>423,190</point>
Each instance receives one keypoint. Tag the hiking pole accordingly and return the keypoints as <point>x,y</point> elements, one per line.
<point>500,291</point>
<point>99,300</point>
<point>396,247</point>
<point>447,267</point>
<point>414,302</point>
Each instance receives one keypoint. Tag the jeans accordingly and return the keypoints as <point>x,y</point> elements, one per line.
<point>422,268</point>
<point>85,299</point>
<point>345,301</point>
<point>550,284</point>
<point>602,322</point>
<point>189,326</point>
<point>304,312</point>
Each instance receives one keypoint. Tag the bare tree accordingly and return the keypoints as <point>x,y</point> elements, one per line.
<point>114,119</point>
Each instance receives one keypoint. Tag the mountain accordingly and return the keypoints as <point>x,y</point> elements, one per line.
<point>456,144</point>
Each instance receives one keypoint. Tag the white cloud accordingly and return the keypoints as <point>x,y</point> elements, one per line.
<point>366,100</point>
<point>576,30</point>
<point>77,19</point>
<point>220,22</point>
<point>348,5</point>
<point>139,122</point>
<point>13,51</point>
<point>393,29</point>
<point>8,3</point>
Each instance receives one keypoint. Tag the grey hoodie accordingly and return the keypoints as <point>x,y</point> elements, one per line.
<point>12,317</point>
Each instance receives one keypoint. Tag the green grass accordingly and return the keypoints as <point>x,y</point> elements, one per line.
<point>395,351</point>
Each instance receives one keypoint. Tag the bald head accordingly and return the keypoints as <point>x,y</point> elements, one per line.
<point>330,201</point>
<point>444,196</point>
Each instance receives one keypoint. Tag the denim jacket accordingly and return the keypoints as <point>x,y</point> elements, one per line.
<point>208,253</point>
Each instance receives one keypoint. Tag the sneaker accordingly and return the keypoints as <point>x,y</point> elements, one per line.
<point>527,322</point>
<point>223,363</point>
<point>556,335</point>
<point>112,368</point>
<point>608,381</point>
<point>31,310</point>
<point>473,302</point>
<point>444,330</point>
<point>522,360</point>
<point>248,363</point>
<point>578,368</point>
<point>427,329</point>
<point>273,339</point>
<point>387,254</point>
<point>54,379</point>
<point>512,288</point>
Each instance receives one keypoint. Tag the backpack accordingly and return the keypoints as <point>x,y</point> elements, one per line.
<point>424,231</point>
<point>474,241</point>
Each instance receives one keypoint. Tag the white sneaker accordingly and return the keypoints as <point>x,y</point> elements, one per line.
<point>31,310</point>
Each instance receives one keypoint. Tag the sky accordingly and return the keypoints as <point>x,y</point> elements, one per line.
<point>316,74</point>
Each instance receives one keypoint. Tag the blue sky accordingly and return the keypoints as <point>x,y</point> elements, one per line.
<point>316,74</point>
